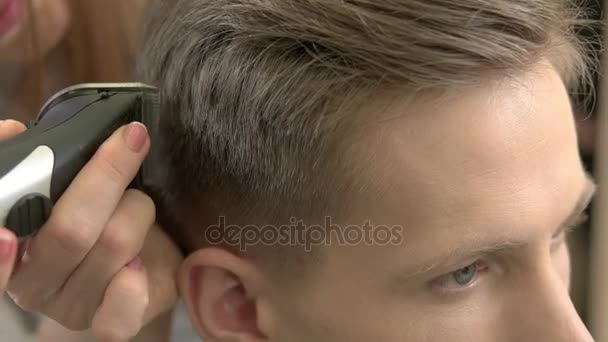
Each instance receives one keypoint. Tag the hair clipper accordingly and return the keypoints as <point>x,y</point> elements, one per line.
<point>37,166</point>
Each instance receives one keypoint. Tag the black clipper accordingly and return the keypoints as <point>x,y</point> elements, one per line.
<point>37,166</point>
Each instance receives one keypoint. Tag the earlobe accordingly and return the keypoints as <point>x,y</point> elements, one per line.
<point>219,290</point>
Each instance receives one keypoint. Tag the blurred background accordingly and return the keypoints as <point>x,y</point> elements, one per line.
<point>587,113</point>
<point>589,110</point>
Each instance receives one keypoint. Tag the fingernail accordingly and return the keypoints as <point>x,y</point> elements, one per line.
<point>136,264</point>
<point>7,245</point>
<point>135,136</point>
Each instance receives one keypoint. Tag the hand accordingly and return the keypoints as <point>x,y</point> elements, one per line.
<point>8,241</point>
<point>82,268</point>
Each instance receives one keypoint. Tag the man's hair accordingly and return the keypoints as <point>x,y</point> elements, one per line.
<point>262,100</point>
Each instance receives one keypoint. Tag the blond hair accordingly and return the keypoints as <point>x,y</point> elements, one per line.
<point>259,96</point>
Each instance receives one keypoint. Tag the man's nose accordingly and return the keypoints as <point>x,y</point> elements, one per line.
<point>543,311</point>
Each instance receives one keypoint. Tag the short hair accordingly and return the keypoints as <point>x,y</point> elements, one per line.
<point>261,99</point>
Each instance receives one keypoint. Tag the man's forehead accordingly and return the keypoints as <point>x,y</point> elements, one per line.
<point>504,154</point>
<point>507,127</point>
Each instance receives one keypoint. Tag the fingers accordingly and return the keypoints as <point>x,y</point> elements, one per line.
<point>120,242</point>
<point>10,128</point>
<point>76,261</point>
<point>160,287</point>
<point>51,331</point>
<point>120,316</point>
<point>162,272</point>
<point>79,217</point>
<point>8,249</point>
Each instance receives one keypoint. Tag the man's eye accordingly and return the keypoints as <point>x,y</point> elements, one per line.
<point>460,279</point>
<point>465,275</point>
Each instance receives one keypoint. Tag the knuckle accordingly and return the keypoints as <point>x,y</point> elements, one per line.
<point>136,292</point>
<point>106,328</point>
<point>72,233</point>
<point>13,126</point>
<point>144,299</point>
<point>125,233</point>
<point>118,239</point>
<point>70,316</point>
<point>112,334</point>
<point>27,305</point>
<point>139,299</point>
<point>74,323</point>
<point>26,302</point>
<point>144,203</point>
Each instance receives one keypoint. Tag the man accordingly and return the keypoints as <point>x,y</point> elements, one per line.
<point>447,122</point>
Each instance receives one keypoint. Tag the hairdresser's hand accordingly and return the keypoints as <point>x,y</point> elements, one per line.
<point>8,241</point>
<point>82,269</point>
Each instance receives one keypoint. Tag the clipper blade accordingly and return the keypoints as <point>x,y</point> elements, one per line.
<point>149,175</point>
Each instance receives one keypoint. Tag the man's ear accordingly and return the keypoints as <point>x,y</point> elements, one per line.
<point>224,294</point>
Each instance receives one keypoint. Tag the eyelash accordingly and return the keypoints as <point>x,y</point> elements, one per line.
<point>442,283</point>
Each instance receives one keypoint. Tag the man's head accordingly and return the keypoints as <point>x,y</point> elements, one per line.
<point>431,142</point>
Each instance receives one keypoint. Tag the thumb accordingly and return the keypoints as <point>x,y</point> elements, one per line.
<point>8,251</point>
<point>10,128</point>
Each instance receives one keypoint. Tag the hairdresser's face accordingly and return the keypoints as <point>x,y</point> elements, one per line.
<point>484,184</point>
<point>49,19</point>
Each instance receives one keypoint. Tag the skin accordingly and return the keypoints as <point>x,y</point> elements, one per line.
<point>490,173</point>
<point>76,271</point>
<point>95,263</point>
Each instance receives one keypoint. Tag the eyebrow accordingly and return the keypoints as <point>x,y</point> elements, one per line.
<point>505,244</point>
